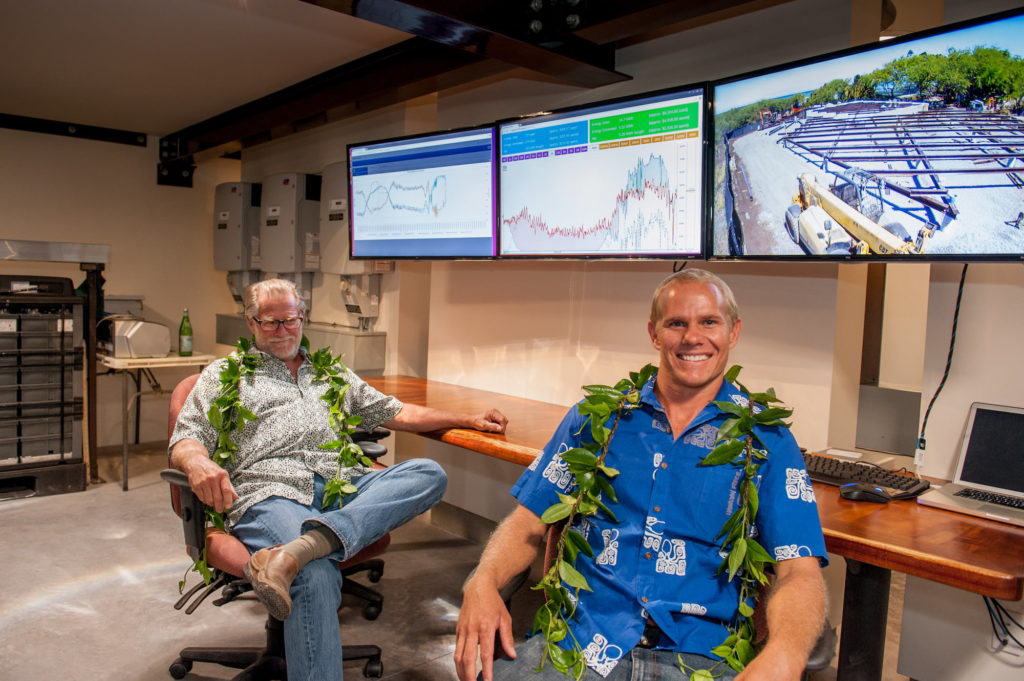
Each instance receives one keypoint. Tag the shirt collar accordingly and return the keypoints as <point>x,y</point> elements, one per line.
<point>726,393</point>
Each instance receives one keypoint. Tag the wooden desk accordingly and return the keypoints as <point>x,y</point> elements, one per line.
<point>961,551</point>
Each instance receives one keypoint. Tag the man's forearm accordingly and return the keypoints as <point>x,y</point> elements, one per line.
<point>418,419</point>
<point>511,549</point>
<point>187,453</point>
<point>795,614</point>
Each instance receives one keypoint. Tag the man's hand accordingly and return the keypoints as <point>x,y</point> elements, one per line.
<point>483,614</point>
<point>491,421</point>
<point>769,666</point>
<point>209,482</point>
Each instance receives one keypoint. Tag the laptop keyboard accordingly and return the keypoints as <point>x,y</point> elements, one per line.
<point>833,471</point>
<point>991,497</point>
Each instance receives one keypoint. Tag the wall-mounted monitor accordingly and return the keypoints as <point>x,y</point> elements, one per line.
<point>424,196</point>
<point>617,179</point>
<point>910,149</point>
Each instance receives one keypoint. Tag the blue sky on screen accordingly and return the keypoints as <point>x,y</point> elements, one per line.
<point>1007,34</point>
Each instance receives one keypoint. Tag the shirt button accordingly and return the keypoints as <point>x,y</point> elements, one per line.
<point>657,508</point>
<point>647,555</point>
<point>664,465</point>
<point>644,599</point>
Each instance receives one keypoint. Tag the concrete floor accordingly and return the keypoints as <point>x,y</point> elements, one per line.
<point>88,580</point>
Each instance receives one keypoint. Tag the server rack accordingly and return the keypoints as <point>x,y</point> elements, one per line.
<point>41,359</point>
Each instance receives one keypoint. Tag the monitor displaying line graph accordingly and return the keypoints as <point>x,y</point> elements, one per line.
<point>426,196</point>
<point>620,179</point>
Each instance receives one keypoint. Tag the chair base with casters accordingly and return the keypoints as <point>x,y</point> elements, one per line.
<point>268,661</point>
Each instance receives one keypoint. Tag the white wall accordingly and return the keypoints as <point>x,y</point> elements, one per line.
<point>61,189</point>
<point>987,364</point>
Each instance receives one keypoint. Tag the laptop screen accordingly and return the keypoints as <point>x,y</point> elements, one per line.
<point>993,456</point>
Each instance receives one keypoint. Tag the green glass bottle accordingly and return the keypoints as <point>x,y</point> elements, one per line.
<point>185,336</point>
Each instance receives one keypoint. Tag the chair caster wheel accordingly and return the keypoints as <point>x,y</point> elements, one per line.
<point>375,575</point>
<point>179,668</point>
<point>374,669</point>
<point>371,612</point>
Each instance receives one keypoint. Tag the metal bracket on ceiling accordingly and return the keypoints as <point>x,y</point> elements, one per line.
<point>176,173</point>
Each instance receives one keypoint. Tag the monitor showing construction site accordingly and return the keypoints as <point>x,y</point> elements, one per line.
<point>909,149</point>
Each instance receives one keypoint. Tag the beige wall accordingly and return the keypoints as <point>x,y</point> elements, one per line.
<point>60,189</point>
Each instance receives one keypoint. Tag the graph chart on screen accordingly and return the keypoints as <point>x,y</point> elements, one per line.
<point>427,198</point>
<point>619,179</point>
<point>424,196</point>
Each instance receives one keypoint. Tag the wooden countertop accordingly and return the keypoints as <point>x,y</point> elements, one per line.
<point>973,554</point>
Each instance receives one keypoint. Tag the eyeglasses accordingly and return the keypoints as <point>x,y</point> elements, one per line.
<point>291,323</point>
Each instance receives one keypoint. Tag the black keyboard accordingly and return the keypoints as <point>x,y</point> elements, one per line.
<point>832,471</point>
<point>990,497</point>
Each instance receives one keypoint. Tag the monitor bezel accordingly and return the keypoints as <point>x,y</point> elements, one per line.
<point>701,87</point>
<point>709,227</point>
<point>424,135</point>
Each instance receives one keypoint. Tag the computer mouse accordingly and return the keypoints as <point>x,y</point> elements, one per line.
<point>864,491</point>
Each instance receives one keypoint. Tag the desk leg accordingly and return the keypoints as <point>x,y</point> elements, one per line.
<point>865,612</point>
<point>124,430</point>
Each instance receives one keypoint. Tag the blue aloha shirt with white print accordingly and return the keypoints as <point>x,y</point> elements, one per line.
<point>660,559</point>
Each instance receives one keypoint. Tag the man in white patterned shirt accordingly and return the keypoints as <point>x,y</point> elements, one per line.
<point>273,492</point>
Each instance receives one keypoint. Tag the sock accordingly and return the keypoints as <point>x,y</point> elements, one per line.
<point>315,543</point>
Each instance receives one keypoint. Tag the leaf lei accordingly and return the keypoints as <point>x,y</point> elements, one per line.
<point>744,558</point>
<point>227,415</point>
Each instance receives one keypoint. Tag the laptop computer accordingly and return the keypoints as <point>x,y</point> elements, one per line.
<point>989,480</point>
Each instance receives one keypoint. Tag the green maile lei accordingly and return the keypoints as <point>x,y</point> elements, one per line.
<point>737,445</point>
<point>228,415</point>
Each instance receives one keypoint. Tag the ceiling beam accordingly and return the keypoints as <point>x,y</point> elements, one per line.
<point>409,69</point>
<point>458,42</point>
<point>500,31</point>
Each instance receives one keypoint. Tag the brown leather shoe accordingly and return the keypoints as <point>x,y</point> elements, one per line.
<point>271,571</point>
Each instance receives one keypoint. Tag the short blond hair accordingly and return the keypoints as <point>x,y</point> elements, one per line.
<point>268,287</point>
<point>696,276</point>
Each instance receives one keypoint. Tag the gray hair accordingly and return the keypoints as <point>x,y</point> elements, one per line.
<point>269,287</point>
<point>696,276</point>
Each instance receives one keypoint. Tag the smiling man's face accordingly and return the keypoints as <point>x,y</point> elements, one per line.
<point>693,336</point>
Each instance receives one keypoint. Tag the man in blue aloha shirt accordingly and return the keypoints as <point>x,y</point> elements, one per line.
<point>655,592</point>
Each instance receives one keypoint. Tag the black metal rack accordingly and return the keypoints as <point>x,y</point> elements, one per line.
<point>41,361</point>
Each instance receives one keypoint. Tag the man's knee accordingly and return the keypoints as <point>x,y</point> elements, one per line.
<point>433,475</point>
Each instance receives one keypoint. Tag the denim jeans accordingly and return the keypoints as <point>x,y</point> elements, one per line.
<point>640,664</point>
<point>386,499</point>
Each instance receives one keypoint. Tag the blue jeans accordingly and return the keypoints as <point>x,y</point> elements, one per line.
<point>639,664</point>
<point>386,499</point>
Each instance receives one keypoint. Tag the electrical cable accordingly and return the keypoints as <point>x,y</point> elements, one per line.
<point>949,359</point>
<point>1000,629</point>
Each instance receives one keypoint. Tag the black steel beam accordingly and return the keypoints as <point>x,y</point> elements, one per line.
<point>409,69</point>
<point>462,41</point>
<point>479,29</point>
<point>87,132</point>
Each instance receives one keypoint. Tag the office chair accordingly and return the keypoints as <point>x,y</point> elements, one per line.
<point>820,657</point>
<point>226,557</point>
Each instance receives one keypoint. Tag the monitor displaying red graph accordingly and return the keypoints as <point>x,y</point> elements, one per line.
<point>617,179</point>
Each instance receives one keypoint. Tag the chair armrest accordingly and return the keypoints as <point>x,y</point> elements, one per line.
<point>192,512</point>
<point>368,441</point>
<point>373,450</point>
<point>374,435</point>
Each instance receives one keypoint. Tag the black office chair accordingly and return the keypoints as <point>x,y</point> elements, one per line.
<point>226,557</point>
